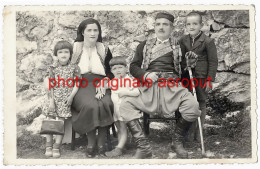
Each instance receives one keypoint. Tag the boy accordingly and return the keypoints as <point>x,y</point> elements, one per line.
<point>197,43</point>
<point>121,87</point>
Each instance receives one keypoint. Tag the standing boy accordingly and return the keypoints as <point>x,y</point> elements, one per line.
<point>197,43</point>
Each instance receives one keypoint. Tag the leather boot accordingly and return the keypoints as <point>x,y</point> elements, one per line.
<point>143,145</point>
<point>181,129</point>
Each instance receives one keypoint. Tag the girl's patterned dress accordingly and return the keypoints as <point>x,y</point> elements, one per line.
<point>64,76</point>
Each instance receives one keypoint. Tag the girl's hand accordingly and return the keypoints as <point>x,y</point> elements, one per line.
<point>69,100</point>
<point>52,106</point>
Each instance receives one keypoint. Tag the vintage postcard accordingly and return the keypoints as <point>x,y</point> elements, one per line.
<point>144,84</point>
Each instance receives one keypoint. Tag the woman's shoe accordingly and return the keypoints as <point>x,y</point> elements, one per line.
<point>90,152</point>
<point>102,151</point>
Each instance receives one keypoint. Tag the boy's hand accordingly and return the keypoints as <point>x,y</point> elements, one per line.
<point>208,88</point>
<point>122,94</point>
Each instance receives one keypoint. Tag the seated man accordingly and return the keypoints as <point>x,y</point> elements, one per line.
<point>154,59</point>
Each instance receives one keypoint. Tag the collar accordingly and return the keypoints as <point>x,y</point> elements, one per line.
<point>195,37</point>
<point>162,41</point>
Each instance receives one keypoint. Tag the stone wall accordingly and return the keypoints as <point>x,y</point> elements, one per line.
<point>37,33</point>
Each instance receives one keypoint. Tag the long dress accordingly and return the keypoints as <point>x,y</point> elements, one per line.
<point>90,113</point>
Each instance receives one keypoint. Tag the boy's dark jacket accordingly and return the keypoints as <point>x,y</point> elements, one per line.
<point>205,48</point>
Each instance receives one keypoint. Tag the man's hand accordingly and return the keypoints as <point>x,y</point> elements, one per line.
<point>153,76</point>
<point>191,59</point>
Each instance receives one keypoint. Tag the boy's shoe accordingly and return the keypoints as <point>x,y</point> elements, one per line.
<point>114,153</point>
<point>56,153</point>
<point>48,152</point>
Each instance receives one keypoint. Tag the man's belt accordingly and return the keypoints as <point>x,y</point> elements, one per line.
<point>167,75</point>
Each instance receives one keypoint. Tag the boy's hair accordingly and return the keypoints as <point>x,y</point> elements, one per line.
<point>118,60</point>
<point>63,45</point>
<point>194,13</point>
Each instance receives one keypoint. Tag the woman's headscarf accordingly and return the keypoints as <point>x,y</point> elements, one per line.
<point>82,27</point>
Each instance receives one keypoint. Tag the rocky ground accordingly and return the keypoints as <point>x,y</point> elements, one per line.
<point>224,137</point>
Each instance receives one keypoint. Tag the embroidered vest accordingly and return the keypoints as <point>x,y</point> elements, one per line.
<point>176,54</point>
<point>78,49</point>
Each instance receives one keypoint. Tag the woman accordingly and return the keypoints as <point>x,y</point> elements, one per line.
<point>89,113</point>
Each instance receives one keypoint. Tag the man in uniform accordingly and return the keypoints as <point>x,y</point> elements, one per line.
<point>158,59</point>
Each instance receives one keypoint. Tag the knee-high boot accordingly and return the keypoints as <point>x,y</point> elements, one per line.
<point>181,129</point>
<point>143,145</point>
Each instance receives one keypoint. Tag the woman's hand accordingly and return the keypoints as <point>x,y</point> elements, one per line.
<point>102,86</point>
<point>99,96</point>
<point>101,90</point>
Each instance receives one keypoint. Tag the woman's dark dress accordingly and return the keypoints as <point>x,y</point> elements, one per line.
<point>88,112</point>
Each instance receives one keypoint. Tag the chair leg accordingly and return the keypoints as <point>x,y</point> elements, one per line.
<point>73,139</point>
<point>146,123</point>
<point>114,130</point>
<point>109,145</point>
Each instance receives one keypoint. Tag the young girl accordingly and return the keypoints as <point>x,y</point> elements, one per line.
<point>61,95</point>
<point>119,92</point>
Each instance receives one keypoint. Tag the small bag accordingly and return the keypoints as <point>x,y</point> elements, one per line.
<point>51,126</point>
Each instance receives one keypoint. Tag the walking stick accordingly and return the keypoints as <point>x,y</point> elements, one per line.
<point>199,121</point>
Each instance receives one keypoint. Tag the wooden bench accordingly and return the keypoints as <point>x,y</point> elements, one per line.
<point>147,119</point>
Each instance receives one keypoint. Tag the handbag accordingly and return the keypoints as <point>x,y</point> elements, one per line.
<point>52,126</point>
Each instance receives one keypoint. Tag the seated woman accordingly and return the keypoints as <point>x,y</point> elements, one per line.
<point>91,114</point>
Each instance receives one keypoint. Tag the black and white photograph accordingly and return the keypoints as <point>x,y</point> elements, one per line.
<point>119,83</point>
